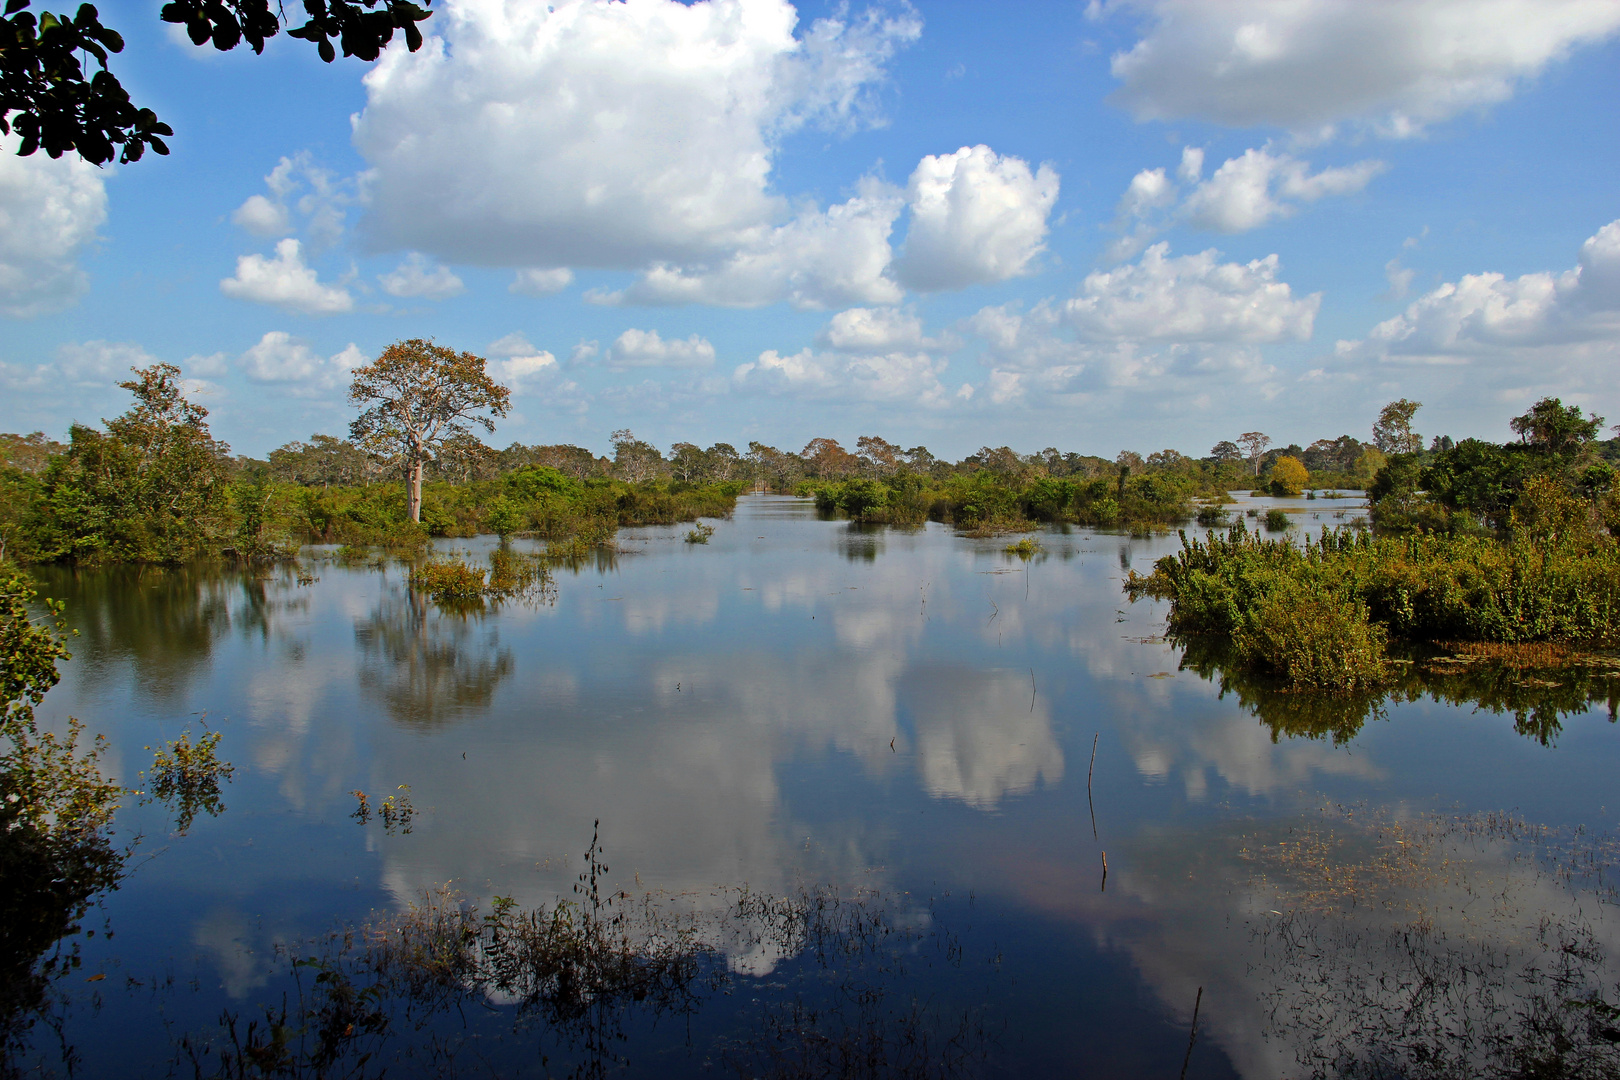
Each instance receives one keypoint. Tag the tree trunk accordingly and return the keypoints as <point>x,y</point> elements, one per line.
<point>415,484</point>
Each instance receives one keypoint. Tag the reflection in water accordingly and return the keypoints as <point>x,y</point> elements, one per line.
<point>1537,697</point>
<point>859,542</point>
<point>428,666</point>
<point>981,735</point>
<point>442,986</point>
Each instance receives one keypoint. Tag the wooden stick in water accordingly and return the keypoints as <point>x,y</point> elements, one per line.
<point>1105,873</point>
<point>1089,771</point>
<point>1193,1036</point>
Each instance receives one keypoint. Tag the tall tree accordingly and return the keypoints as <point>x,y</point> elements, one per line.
<point>1393,432</point>
<point>415,397</point>
<point>1254,444</point>
<point>1551,427</point>
<point>145,489</point>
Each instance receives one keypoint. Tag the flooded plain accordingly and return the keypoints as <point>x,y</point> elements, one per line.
<point>898,802</point>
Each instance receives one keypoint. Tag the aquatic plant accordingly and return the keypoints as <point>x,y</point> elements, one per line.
<point>700,534</point>
<point>1277,520</point>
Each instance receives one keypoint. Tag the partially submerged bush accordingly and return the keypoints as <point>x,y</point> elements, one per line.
<point>1278,520</point>
<point>1365,590</point>
<point>1313,642</point>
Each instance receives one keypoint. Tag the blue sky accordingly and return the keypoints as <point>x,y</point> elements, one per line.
<point>1127,225</point>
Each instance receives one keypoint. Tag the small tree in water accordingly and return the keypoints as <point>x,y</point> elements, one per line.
<point>417,396</point>
<point>144,490</point>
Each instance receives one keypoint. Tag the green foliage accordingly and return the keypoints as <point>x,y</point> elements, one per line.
<point>1312,639</point>
<point>700,535</point>
<point>1536,587</point>
<point>187,775</point>
<point>56,809</point>
<point>145,490</point>
<point>449,579</point>
<point>1277,520</point>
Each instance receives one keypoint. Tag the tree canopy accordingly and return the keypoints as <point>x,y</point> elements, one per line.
<point>416,397</point>
<point>49,101</point>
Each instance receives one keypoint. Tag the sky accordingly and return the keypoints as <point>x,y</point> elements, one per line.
<point>1121,225</point>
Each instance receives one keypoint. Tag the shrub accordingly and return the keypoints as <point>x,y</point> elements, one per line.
<point>1288,477</point>
<point>1278,520</point>
<point>700,534</point>
<point>449,580</point>
<point>1313,642</point>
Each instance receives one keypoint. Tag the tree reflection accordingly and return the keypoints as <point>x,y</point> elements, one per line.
<point>1538,695</point>
<point>428,664</point>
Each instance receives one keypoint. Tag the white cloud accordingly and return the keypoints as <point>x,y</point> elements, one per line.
<point>520,364</point>
<point>1190,298</point>
<point>1260,187</point>
<point>1244,193</point>
<point>100,363</point>
<point>906,377</point>
<point>540,282</point>
<point>281,358</point>
<point>49,212</point>
<point>823,258</point>
<point>872,330</point>
<point>286,282</point>
<point>262,217</point>
<point>210,366</point>
<point>298,185</point>
<point>1305,65</point>
<point>1545,316</point>
<point>975,217</point>
<point>644,348</point>
<point>609,135</point>
<point>1183,329</point>
<point>418,276</point>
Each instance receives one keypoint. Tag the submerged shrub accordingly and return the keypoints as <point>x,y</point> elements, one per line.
<point>1277,520</point>
<point>1320,642</point>
<point>449,580</point>
<point>700,534</point>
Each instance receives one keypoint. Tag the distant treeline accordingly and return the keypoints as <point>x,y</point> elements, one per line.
<point>155,486</point>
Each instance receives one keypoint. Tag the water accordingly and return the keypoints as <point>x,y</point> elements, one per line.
<point>907,717</point>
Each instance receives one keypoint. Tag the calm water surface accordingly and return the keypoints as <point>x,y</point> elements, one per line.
<point>799,704</point>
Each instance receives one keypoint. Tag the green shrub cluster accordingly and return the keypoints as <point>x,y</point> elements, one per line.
<point>1320,615</point>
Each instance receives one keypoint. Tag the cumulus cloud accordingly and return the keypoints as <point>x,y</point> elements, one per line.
<point>281,358</point>
<point>644,348</point>
<point>1190,298</point>
<point>298,187</point>
<point>975,217</point>
<point>520,364</point>
<point>286,282</point>
<point>906,377</point>
<point>1185,329</point>
<point>872,329</point>
<point>1244,193</point>
<point>420,278</point>
<point>49,212</point>
<point>1306,65</point>
<point>533,281</point>
<point>1492,316</point>
<point>609,135</point>
<point>823,258</point>
<point>1260,187</point>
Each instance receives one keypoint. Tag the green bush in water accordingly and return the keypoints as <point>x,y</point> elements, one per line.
<point>1277,520</point>
<point>449,580</point>
<point>1313,642</point>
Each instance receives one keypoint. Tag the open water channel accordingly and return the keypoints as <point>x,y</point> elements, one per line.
<point>852,770</point>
